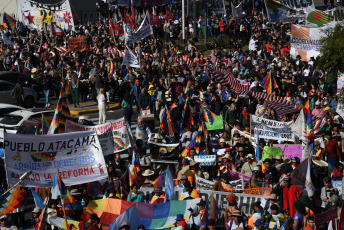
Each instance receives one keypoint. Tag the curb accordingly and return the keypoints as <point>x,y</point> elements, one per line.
<point>80,112</point>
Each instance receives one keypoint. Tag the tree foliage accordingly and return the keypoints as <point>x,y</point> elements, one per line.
<point>332,53</point>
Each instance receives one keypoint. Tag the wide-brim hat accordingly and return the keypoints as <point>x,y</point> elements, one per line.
<point>320,163</point>
<point>237,213</point>
<point>180,217</point>
<point>37,210</point>
<point>148,172</point>
<point>75,192</point>
<point>249,156</point>
<point>273,196</point>
<point>201,203</point>
<point>226,156</point>
<point>241,149</point>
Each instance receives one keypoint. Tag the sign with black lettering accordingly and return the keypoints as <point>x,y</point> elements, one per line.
<point>78,156</point>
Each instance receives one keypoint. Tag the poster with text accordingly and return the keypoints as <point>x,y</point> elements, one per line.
<point>104,132</point>
<point>120,135</point>
<point>78,156</point>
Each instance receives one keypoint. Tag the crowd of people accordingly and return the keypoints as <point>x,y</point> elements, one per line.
<point>165,82</point>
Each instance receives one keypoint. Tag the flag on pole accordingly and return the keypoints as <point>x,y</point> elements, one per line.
<point>169,185</point>
<point>60,190</point>
<point>187,118</point>
<point>12,200</point>
<point>42,219</point>
<point>213,207</point>
<point>269,83</point>
<point>61,114</point>
<point>258,154</point>
<point>9,22</point>
<point>167,125</point>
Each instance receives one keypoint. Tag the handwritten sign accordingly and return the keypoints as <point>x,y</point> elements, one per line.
<point>291,151</point>
<point>271,152</point>
<point>253,191</point>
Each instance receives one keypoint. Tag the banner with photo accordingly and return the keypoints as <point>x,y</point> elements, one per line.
<point>120,134</point>
<point>305,41</point>
<point>104,132</point>
<point>38,15</point>
<point>161,151</point>
<point>143,31</point>
<point>270,129</point>
<point>281,13</point>
<point>78,156</point>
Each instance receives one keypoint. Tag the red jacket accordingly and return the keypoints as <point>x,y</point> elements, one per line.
<point>333,149</point>
<point>82,226</point>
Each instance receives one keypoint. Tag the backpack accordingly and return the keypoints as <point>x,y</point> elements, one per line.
<point>14,93</point>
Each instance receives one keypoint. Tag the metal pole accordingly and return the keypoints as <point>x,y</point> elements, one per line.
<point>183,19</point>
<point>206,24</point>
<point>194,18</point>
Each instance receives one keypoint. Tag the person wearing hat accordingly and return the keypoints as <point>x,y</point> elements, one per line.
<point>248,166</point>
<point>273,200</point>
<point>237,221</point>
<point>201,205</point>
<point>256,180</point>
<point>260,225</point>
<point>227,162</point>
<point>189,192</point>
<point>290,193</point>
<point>90,224</point>
<point>180,222</point>
<point>35,216</point>
<point>149,178</point>
<point>277,160</point>
<point>159,195</point>
<point>81,120</point>
<point>295,162</point>
<point>268,187</point>
<point>124,226</point>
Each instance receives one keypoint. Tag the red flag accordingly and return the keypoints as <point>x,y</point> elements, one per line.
<point>169,15</point>
<point>155,20</point>
<point>114,28</point>
<point>128,20</point>
<point>132,11</point>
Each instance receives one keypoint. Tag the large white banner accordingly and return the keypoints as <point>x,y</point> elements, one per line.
<point>36,15</point>
<point>78,156</point>
<point>143,31</point>
<point>279,12</point>
<point>305,41</point>
<point>237,11</point>
<point>237,185</point>
<point>130,59</point>
<point>120,134</point>
<point>104,132</point>
<point>218,6</point>
<point>270,129</point>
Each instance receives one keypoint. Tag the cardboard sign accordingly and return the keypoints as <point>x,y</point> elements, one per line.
<point>253,191</point>
<point>270,152</point>
<point>291,151</point>
<point>78,44</point>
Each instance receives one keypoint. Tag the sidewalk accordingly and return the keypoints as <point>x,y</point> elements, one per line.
<point>90,107</point>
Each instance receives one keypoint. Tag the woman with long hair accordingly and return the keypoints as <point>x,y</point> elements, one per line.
<point>102,106</point>
<point>127,105</point>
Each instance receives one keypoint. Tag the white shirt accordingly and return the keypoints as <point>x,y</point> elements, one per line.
<point>101,100</point>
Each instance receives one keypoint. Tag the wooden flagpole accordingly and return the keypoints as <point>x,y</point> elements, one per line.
<point>61,196</point>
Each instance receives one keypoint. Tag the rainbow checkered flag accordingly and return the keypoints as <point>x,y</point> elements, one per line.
<point>12,200</point>
<point>207,116</point>
<point>62,112</point>
<point>60,190</point>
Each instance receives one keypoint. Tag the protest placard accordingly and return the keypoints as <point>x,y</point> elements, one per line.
<point>338,185</point>
<point>272,130</point>
<point>120,135</point>
<point>271,152</point>
<point>78,44</point>
<point>78,156</point>
<point>217,124</point>
<point>253,191</point>
<point>205,160</point>
<point>161,151</point>
<point>104,132</point>
<point>237,185</point>
<point>291,151</point>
